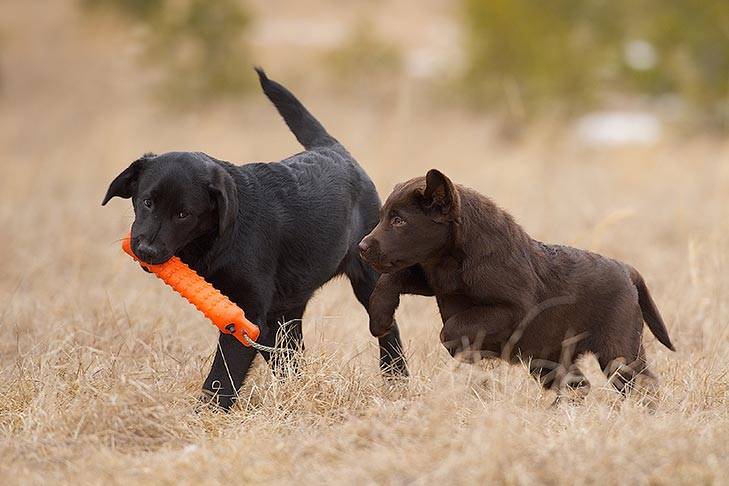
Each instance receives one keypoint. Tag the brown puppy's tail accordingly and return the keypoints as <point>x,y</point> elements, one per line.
<point>649,310</point>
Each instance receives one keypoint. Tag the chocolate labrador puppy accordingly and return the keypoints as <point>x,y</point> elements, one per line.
<point>502,293</point>
<point>265,234</point>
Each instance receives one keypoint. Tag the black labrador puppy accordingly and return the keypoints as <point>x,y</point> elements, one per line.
<point>267,235</point>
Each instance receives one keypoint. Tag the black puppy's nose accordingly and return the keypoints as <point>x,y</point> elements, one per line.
<point>364,246</point>
<point>146,252</point>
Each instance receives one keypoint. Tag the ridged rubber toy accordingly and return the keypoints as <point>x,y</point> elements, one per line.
<point>227,316</point>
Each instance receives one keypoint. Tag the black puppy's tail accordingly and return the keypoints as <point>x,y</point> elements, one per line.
<point>649,310</point>
<point>307,129</point>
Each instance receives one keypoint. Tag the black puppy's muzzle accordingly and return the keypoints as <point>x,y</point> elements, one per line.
<point>151,253</point>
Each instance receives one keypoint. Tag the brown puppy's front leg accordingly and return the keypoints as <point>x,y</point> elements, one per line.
<point>385,298</point>
<point>384,301</point>
<point>480,329</point>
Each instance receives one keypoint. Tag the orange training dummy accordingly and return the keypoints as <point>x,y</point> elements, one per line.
<point>227,316</point>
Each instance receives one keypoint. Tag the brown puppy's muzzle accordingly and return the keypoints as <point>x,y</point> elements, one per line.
<point>365,247</point>
<point>369,250</point>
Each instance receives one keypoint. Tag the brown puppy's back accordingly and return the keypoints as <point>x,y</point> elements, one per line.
<point>502,292</point>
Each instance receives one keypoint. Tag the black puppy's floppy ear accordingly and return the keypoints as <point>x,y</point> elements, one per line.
<point>124,184</point>
<point>222,188</point>
<point>440,197</point>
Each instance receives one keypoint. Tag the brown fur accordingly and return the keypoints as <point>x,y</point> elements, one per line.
<point>502,293</point>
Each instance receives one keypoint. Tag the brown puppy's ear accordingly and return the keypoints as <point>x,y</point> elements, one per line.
<point>125,184</point>
<point>222,188</point>
<point>440,197</point>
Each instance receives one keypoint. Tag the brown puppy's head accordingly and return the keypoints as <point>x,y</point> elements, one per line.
<point>416,223</point>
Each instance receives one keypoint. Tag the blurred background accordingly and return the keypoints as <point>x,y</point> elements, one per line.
<point>599,124</point>
<point>519,60</point>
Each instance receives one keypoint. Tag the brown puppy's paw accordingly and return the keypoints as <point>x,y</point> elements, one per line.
<point>460,347</point>
<point>382,315</point>
<point>572,396</point>
<point>383,303</point>
<point>469,356</point>
<point>380,327</point>
<point>644,390</point>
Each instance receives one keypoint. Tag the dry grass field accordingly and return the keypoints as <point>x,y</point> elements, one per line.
<point>101,365</point>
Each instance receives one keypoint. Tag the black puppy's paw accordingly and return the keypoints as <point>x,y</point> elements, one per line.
<point>393,364</point>
<point>392,359</point>
<point>212,401</point>
<point>394,369</point>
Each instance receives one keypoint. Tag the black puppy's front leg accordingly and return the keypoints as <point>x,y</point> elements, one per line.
<point>230,367</point>
<point>285,333</point>
<point>232,362</point>
<point>233,359</point>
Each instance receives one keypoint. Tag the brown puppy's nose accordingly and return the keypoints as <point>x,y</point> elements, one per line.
<point>364,246</point>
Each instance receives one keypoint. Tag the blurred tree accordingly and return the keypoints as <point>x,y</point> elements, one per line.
<point>143,10</point>
<point>199,45</point>
<point>529,55</point>
<point>691,38</point>
<point>363,55</point>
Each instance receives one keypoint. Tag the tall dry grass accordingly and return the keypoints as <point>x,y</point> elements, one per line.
<point>100,364</point>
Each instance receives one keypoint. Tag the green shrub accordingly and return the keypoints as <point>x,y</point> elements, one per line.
<point>363,55</point>
<point>198,45</point>
<point>569,53</point>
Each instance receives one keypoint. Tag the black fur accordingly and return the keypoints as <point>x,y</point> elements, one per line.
<point>265,234</point>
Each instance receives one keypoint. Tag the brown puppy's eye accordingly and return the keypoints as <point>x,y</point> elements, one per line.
<point>148,203</point>
<point>183,214</point>
<point>397,221</point>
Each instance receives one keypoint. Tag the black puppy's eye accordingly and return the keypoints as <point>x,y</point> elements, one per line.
<point>397,221</point>
<point>183,214</point>
<point>147,203</point>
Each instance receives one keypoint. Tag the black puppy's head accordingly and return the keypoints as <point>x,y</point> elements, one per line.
<point>177,197</point>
